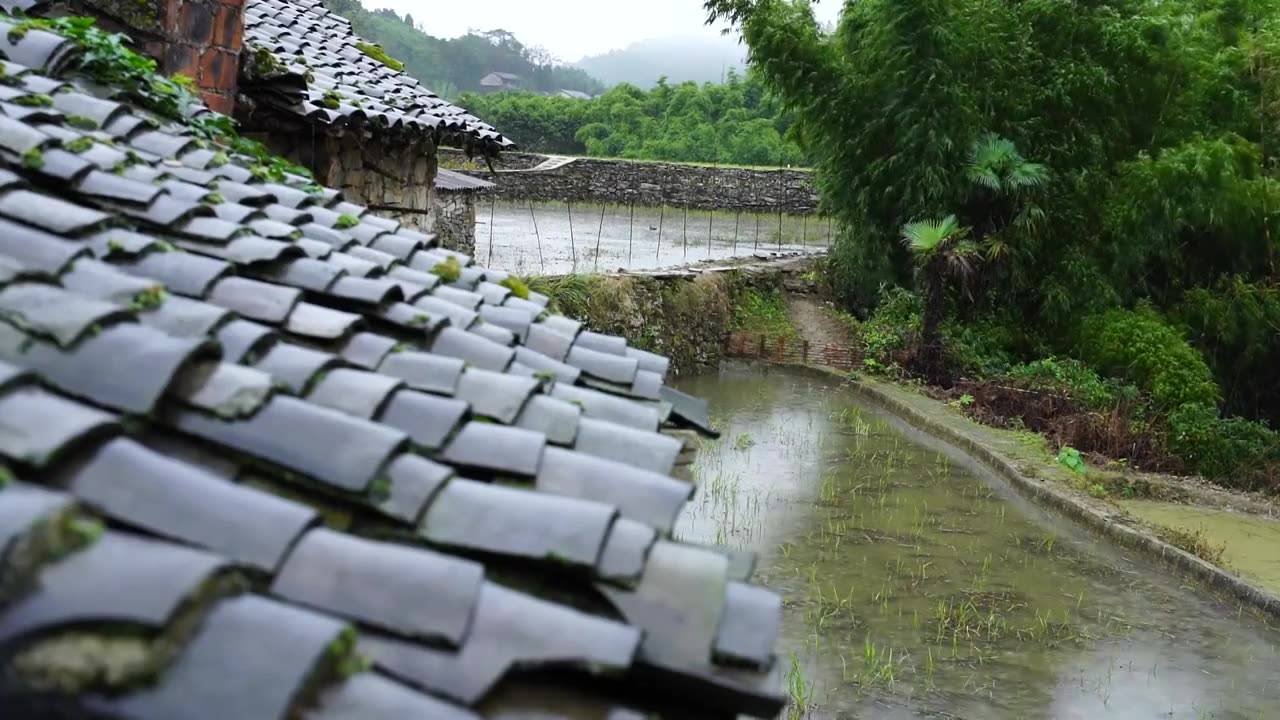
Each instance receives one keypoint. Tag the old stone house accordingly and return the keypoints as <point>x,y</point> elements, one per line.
<point>300,81</point>
<point>456,196</point>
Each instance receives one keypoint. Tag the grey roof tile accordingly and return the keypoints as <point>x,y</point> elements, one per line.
<point>556,419</point>
<point>420,594</point>
<point>424,371</point>
<point>488,448</point>
<point>355,392</point>
<point>427,420</point>
<point>182,272</point>
<point>605,366</point>
<point>516,523</point>
<point>496,396</point>
<point>174,499</point>
<point>540,363</point>
<point>608,407</point>
<point>415,481</point>
<point>367,350</point>
<point>642,495</point>
<point>749,627</point>
<point>610,344</point>
<point>638,448</point>
<point>127,367</point>
<point>255,300</point>
<point>321,323</point>
<point>38,250</point>
<point>369,696</point>
<point>296,367</point>
<point>223,389</point>
<point>494,333</point>
<point>241,338</point>
<point>482,353</point>
<point>51,214</point>
<point>679,633</point>
<point>459,317</point>
<point>544,340</point>
<point>274,647</point>
<point>149,581</point>
<point>23,508</point>
<point>345,452</point>
<point>183,317</point>
<point>626,550</point>
<point>511,630</point>
<point>50,312</point>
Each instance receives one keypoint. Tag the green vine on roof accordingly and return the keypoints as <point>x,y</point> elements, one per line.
<point>377,53</point>
<point>106,58</point>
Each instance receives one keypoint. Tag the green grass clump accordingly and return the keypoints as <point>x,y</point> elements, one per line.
<point>377,53</point>
<point>763,311</point>
<point>516,286</point>
<point>449,270</point>
<point>346,221</point>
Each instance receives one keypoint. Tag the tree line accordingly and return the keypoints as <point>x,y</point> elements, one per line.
<point>736,122</point>
<point>1072,195</point>
<point>453,66</point>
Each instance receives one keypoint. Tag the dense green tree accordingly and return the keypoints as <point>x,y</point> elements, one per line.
<point>1158,120</point>
<point>737,122</point>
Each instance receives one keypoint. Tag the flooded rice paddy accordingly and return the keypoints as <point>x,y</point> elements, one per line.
<point>612,237</point>
<point>918,585</point>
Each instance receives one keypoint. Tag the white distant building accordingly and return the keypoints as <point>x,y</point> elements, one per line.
<point>575,94</point>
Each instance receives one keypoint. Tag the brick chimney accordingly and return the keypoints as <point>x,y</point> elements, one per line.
<point>201,39</point>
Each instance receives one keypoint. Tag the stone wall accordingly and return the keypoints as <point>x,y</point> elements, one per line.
<point>456,220</point>
<point>398,181</point>
<point>702,187</point>
<point>685,315</point>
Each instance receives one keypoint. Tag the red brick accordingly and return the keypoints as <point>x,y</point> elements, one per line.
<point>181,60</point>
<point>224,104</point>
<point>196,22</point>
<point>228,28</point>
<point>171,22</point>
<point>219,69</point>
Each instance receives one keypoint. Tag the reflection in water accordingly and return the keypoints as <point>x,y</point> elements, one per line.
<point>917,585</point>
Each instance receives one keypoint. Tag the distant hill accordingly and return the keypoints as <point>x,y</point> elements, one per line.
<point>697,58</point>
<point>450,66</point>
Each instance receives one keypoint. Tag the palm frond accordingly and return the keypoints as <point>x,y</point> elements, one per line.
<point>961,258</point>
<point>1027,175</point>
<point>925,237</point>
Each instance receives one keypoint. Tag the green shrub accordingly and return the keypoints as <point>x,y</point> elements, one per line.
<point>1233,449</point>
<point>1074,379</point>
<point>893,321</point>
<point>978,348</point>
<point>1140,346</point>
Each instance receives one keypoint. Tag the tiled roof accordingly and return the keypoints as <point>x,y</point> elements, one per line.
<point>258,460</point>
<point>451,181</point>
<point>305,61</point>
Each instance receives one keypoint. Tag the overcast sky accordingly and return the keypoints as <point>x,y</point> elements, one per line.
<point>568,28</point>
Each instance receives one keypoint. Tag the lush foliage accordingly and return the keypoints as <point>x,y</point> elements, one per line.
<point>1140,346</point>
<point>105,57</point>
<point>453,66</point>
<point>736,122</point>
<point>1113,160</point>
<point>1074,379</point>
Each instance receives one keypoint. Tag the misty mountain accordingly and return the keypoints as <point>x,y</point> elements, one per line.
<point>697,58</point>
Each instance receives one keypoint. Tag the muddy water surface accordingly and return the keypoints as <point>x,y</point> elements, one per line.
<point>917,585</point>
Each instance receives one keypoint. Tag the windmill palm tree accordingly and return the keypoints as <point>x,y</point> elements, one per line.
<point>1005,181</point>
<point>942,248</point>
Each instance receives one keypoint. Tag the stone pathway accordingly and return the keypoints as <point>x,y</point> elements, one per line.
<point>815,321</point>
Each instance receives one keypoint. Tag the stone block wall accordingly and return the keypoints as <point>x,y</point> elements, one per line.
<point>395,178</point>
<point>700,187</point>
<point>456,220</point>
